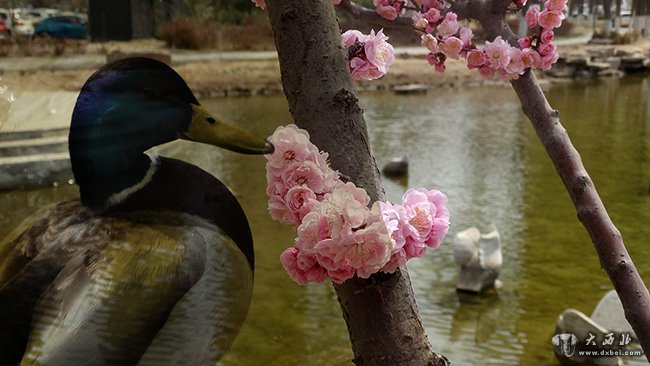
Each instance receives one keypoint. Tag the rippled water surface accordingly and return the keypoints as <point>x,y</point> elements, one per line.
<point>476,146</point>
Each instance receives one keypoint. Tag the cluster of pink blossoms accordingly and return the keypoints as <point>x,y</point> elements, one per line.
<point>451,39</point>
<point>445,38</point>
<point>536,51</point>
<point>370,56</point>
<point>338,236</point>
<point>390,9</point>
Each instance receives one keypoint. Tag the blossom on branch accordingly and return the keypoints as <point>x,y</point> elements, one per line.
<point>389,9</point>
<point>370,56</point>
<point>445,38</point>
<point>338,235</point>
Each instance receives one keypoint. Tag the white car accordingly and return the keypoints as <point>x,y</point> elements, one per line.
<point>24,19</point>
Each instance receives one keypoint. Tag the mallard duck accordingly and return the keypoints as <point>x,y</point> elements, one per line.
<point>153,264</point>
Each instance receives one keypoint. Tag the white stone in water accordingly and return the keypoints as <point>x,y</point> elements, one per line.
<point>479,259</point>
<point>574,322</point>
<point>609,313</point>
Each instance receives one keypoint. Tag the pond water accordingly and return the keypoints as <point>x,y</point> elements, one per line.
<point>477,147</point>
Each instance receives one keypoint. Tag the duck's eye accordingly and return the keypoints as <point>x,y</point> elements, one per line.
<point>211,120</point>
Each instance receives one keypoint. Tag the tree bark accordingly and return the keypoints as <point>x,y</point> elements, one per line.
<point>381,314</point>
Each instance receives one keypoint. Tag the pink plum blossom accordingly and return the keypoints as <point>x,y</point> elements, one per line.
<point>437,60</point>
<point>432,16</point>
<point>291,144</point>
<point>497,52</point>
<point>351,36</point>
<point>421,221</point>
<point>546,35</point>
<point>387,12</point>
<point>296,173</point>
<point>486,72</point>
<point>298,201</point>
<point>548,60</point>
<point>556,5</point>
<point>389,9</point>
<point>452,46</point>
<point>379,52</point>
<point>365,250</point>
<point>374,59</point>
<point>532,15</point>
<point>530,57</point>
<point>465,34</point>
<point>391,215</point>
<point>525,42</point>
<point>449,26</point>
<point>550,18</point>
<point>516,65</point>
<point>475,59</point>
<point>425,220</point>
<point>309,174</point>
<point>336,2</point>
<point>546,49</point>
<point>418,215</point>
<point>299,270</point>
<point>441,218</point>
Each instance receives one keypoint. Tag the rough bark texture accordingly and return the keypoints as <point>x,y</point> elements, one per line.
<point>380,312</point>
<point>606,238</point>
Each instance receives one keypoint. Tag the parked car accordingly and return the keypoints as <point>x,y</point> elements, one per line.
<point>6,23</point>
<point>24,19</point>
<point>39,14</point>
<point>62,26</point>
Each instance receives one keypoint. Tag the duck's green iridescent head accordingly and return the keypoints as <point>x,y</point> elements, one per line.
<point>129,106</point>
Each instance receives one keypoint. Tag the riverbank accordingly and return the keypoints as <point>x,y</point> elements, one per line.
<point>237,74</point>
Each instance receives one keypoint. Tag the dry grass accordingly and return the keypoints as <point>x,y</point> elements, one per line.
<point>41,46</point>
<point>189,33</point>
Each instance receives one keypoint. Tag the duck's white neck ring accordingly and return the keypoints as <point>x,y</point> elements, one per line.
<point>121,196</point>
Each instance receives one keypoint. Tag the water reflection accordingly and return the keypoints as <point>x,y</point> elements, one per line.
<point>476,146</point>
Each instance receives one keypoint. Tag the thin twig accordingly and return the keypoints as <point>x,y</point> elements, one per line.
<point>370,15</point>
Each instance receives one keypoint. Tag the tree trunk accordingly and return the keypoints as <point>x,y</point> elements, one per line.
<point>607,8</point>
<point>380,312</point>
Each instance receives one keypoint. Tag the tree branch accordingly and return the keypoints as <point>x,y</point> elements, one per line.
<point>606,238</point>
<point>591,212</point>
<point>370,15</point>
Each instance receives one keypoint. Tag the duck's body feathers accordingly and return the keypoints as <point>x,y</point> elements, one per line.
<point>151,288</point>
<point>154,264</point>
